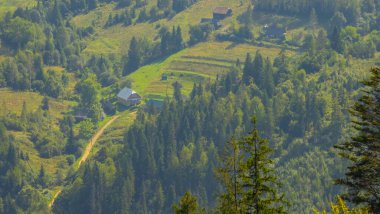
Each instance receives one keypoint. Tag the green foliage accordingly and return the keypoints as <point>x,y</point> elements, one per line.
<point>342,208</point>
<point>90,98</point>
<point>361,177</point>
<point>187,205</point>
<point>200,33</point>
<point>18,32</point>
<point>249,179</point>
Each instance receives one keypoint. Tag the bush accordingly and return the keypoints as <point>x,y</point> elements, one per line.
<point>70,159</point>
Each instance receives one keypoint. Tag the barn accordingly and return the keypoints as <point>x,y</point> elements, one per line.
<point>221,13</point>
<point>128,97</point>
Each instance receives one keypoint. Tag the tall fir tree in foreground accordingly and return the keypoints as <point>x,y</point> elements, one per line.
<point>248,177</point>
<point>363,150</point>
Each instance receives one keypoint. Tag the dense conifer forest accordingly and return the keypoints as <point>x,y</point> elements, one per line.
<point>272,107</point>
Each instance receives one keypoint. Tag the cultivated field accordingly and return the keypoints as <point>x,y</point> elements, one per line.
<point>203,62</point>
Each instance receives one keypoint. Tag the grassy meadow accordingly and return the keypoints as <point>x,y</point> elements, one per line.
<point>202,62</point>
<point>12,101</point>
<point>12,5</point>
<point>116,39</point>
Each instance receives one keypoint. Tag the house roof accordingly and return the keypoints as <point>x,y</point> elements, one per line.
<point>222,10</point>
<point>125,93</point>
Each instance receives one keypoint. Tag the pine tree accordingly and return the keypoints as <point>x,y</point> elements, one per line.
<point>56,14</point>
<point>253,190</point>
<point>11,156</point>
<point>228,174</point>
<point>134,57</point>
<point>247,70</point>
<point>258,68</point>
<point>363,150</point>
<point>177,91</point>
<point>178,39</point>
<point>45,104</point>
<point>336,42</point>
<point>42,177</point>
<point>269,81</point>
<point>187,205</point>
<point>24,114</point>
<point>313,19</point>
<point>92,4</point>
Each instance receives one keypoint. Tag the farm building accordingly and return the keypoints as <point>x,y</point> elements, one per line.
<point>221,13</point>
<point>128,97</point>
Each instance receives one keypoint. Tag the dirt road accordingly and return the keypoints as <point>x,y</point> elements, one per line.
<point>93,140</point>
<point>87,151</point>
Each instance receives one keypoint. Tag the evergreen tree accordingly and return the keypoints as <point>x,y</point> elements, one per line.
<point>362,176</point>
<point>177,91</point>
<point>228,174</point>
<point>247,70</point>
<point>254,187</point>
<point>313,19</point>
<point>335,40</point>
<point>269,81</point>
<point>42,177</point>
<point>258,68</point>
<point>92,4</point>
<point>134,57</point>
<point>187,205</point>
<point>178,39</point>
<point>45,104</point>
<point>11,156</point>
<point>258,179</point>
<point>24,113</point>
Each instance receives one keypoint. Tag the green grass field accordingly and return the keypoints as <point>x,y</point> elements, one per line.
<point>12,101</point>
<point>202,62</point>
<point>115,40</point>
<point>11,5</point>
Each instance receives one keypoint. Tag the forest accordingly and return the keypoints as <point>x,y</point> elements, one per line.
<point>270,123</point>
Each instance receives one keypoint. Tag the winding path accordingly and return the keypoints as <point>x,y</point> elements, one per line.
<point>86,152</point>
<point>93,140</point>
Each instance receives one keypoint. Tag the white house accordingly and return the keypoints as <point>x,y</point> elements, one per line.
<point>128,97</point>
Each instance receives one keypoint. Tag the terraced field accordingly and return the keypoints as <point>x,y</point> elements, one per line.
<point>200,63</point>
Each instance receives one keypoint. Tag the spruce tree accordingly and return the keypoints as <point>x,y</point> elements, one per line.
<point>335,40</point>
<point>258,68</point>
<point>228,175</point>
<point>247,70</point>
<point>363,150</point>
<point>249,178</point>
<point>134,57</point>
<point>187,205</point>
<point>313,19</point>
<point>45,104</point>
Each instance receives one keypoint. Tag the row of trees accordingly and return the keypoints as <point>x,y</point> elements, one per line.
<point>142,52</point>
